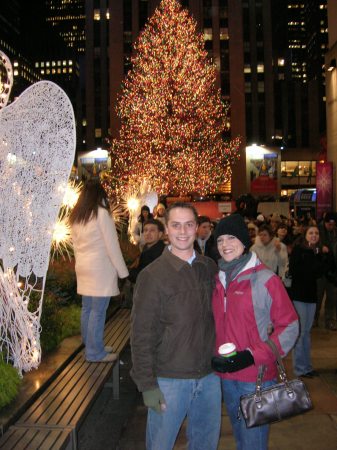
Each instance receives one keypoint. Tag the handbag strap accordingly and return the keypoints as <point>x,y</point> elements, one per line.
<point>279,363</point>
<point>280,368</point>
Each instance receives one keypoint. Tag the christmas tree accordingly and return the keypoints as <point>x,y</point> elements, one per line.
<point>172,116</point>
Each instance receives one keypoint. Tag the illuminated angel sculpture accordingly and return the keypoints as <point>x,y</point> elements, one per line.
<point>37,146</point>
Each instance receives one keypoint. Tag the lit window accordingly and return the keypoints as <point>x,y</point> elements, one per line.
<point>48,71</point>
<point>97,14</point>
<point>280,62</point>
<point>16,72</point>
<point>58,70</point>
<point>64,70</point>
<point>58,63</point>
<point>36,64</point>
<point>47,64</point>
<point>53,71</point>
<point>53,63</point>
<point>42,72</point>
<point>70,70</point>
<point>224,34</point>
<point>107,14</point>
<point>42,64</point>
<point>70,63</point>
<point>98,132</point>
<point>64,63</point>
<point>16,64</point>
<point>84,122</point>
<point>247,69</point>
<point>260,68</point>
<point>208,34</point>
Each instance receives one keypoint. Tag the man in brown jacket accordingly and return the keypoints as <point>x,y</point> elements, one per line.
<point>172,340</point>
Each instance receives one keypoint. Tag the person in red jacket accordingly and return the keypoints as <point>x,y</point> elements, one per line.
<point>250,306</point>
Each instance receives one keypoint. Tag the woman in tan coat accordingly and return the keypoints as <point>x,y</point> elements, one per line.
<point>98,264</point>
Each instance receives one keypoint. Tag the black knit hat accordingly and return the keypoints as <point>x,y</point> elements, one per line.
<point>235,226</point>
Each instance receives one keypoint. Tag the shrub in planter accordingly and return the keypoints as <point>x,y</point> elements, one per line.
<point>9,383</point>
<point>61,280</point>
<point>57,321</point>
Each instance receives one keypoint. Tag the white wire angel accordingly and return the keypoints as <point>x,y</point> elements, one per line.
<point>37,147</point>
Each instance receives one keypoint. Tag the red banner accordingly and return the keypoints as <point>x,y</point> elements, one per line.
<point>324,173</point>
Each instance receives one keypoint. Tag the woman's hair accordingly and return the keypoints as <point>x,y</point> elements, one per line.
<point>91,198</point>
<point>302,241</point>
<point>141,218</point>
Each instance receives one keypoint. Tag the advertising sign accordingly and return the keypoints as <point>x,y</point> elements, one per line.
<point>324,187</point>
<point>263,174</point>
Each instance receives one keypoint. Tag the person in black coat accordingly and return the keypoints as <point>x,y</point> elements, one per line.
<point>204,242</point>
<point>309,259</point>
<point>153,248</point>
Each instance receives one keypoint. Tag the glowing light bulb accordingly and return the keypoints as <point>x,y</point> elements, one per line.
<point>133,204</point>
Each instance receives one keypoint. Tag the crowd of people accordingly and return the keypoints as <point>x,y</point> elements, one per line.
<point>199,284</point>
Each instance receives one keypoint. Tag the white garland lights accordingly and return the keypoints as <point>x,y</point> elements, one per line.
<point>37,147</point>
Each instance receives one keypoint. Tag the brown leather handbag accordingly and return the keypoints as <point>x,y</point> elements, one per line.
<point>277,402</point>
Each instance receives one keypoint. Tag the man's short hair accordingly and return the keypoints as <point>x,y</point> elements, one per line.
<point>156,222</point>
<point>180,205</point>
<point>203,219</point>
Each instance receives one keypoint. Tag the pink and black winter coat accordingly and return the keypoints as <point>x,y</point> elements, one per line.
<point>253,303</point>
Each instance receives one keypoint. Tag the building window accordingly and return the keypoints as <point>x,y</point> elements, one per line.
<point>208,34</point>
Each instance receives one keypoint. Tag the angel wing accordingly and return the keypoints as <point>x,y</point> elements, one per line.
<point>37,147</point>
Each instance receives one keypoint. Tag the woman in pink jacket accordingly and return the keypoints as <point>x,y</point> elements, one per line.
<point>98,264</point>
<point>250,306</point>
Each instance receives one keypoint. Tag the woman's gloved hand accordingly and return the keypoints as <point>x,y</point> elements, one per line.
<point>232,363</point>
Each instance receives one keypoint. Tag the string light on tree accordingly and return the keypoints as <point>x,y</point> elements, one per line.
<point>172,115</point>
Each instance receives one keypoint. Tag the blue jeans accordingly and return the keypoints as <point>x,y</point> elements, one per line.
<point>200,401</point>
<point>301,353</point>
<point>92,326</point>
<point>246,438</point>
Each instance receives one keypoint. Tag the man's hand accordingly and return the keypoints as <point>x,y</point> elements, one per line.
<point>155,400</point>
<point>232,363</point>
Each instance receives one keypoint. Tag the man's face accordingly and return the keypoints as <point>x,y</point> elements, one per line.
<point>151,234</point>
<point>204,230</point>
<point>181,230</point>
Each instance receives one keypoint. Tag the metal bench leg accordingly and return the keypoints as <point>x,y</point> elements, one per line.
<point>115,380</point>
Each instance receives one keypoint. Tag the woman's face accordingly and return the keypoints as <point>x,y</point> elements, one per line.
<point>281,233</point>
<point>265,237</point>
<point>145,213</point>
<point>229,247</point>
<point>312,236</point>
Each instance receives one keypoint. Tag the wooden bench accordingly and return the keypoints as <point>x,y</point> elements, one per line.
<point>67,400</point>
<point>19,438</point>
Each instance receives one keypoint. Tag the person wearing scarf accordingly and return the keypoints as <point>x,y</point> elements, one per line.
<point>250,306</point>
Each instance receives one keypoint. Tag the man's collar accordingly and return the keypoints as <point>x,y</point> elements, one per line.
<point>177,262</point>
